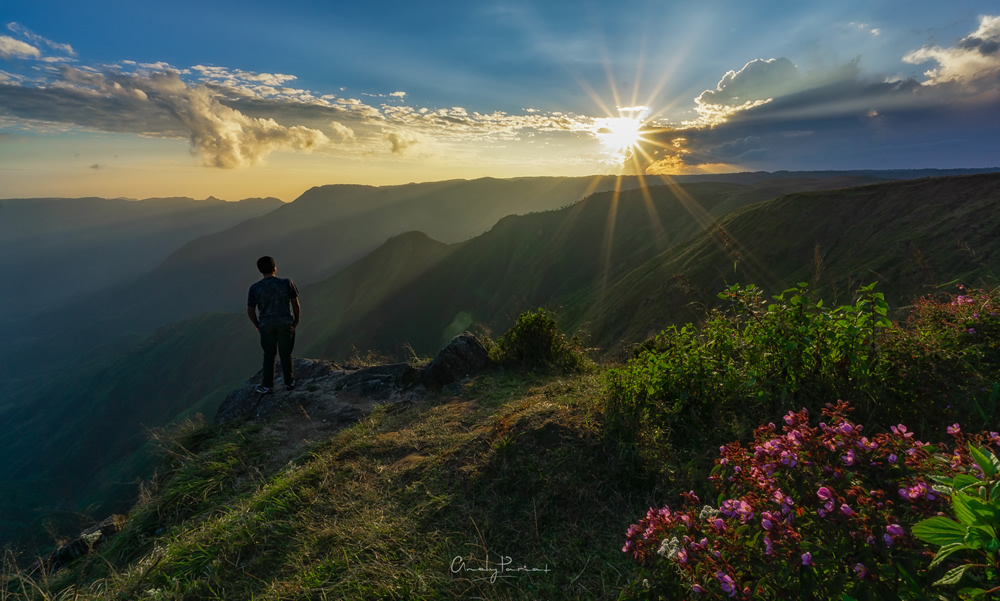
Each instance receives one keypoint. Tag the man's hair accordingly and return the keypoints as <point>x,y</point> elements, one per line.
<point>265,265</point>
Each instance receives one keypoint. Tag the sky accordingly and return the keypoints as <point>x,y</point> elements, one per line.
<point>248,99</point>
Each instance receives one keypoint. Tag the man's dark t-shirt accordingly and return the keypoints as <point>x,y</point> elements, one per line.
<point>273,297</point>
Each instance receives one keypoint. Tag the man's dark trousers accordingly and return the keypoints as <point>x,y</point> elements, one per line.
<point>277,340</point>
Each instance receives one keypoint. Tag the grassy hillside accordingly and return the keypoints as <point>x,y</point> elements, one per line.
<point>425,500</point>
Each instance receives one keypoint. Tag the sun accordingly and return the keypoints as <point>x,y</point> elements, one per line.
<point>620,135</point>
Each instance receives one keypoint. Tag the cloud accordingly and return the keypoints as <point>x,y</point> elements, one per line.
<point>771,113</point>
<point>158,104</point>
<point>343,132</point>
<point>974,61</point>
<point>27,34</point>
<point>875,31</point>
<point>398,143</point>
<point>398,94</point>
<point>757,83</point>
<point>11,48</point>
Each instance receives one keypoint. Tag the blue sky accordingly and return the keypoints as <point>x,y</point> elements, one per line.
<point>270,98</point>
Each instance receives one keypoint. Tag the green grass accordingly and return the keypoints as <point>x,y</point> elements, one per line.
<point>547,468</point>
<point>516,466</point>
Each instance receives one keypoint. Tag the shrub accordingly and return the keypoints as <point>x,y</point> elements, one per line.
<point>535,341</point>
<point>821,512</point>
<point>975,501</point>
<point>693,388</point>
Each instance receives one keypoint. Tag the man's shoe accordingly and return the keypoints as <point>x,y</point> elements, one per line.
<point>291,385</point>
<point>263,389</point>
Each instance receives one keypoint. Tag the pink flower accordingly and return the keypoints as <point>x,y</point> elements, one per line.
<point>696,588</point>
<point>848,458</point>
<point>954,429</point>
<point>846,509</point>
<point>824,493</point>
<point>895,529</point>
<point>901,431</point>
<point>860,570</point>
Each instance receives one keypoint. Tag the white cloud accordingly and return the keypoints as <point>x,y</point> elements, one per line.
<point>976,58</point>
<point>343,132</point>
<point>398,94</point>
<point>26,33</point>
<point>11,48</point>
<point>875,31</point>
<point>758,82</point>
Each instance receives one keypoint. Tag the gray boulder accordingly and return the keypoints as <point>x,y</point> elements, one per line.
<point>462,357</point>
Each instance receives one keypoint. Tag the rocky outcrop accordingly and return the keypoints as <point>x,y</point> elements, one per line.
<point>88,540</point>
<point>462,357</point>
<point>344,394</point>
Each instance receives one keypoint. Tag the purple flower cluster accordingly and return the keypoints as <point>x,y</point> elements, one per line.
<point>791,487</point>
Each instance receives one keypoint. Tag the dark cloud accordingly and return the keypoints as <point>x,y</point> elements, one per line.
<point>847,123</point>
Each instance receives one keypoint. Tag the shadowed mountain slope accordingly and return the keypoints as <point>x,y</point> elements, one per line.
<point>911,237</point>
<point>570,258</point>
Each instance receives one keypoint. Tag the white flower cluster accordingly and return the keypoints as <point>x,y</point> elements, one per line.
<point>669,547</point>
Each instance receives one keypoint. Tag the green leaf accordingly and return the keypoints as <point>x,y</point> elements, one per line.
<point>940,531</point>
<point>979,537</point>
<point>960,504</point>
<point>986,461</point>
<point>945,551</point>
<point>970,592</point>
<point>963,481</point>
<point>953,576</point>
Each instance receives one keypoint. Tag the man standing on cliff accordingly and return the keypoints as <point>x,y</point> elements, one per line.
<point>277,300</point>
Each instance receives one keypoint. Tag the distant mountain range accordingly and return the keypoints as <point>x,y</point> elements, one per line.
<point>59,249</point>
<point>409,266</point>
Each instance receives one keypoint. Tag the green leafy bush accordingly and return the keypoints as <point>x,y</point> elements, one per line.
<point>693,388</point>
<point>535,341</point>
<point>974,539</point>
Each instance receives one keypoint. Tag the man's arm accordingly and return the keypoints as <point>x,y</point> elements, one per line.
<point>296,311</point>
<point>252,314</point>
